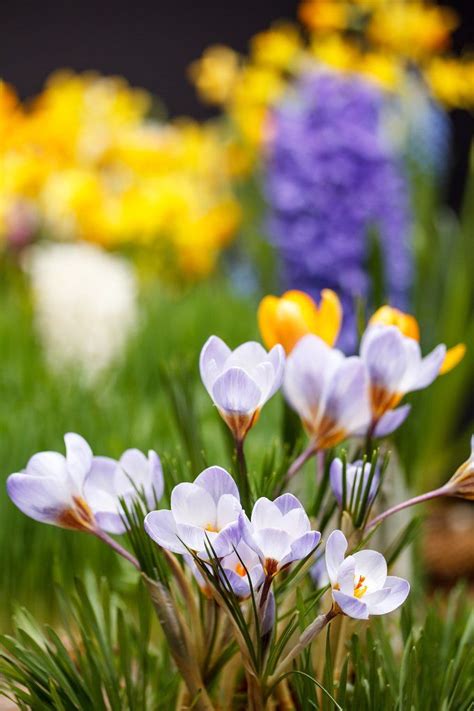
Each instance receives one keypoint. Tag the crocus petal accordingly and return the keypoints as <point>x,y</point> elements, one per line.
<point>302,547</point>
<point>217,482</point>
<point>335,478</point>
<point>336,547</point>
<point>274,544</point>
<point>287,502</point>
<point>383,350</point>
<point>193,505</point>
<point>346,575</point>
<point>391,421</point>
<point>135,465</point>
<point>110,522</point>
<point>239,584</point>
<point>452,358</point>
<point>226,540</point>
<point>373,566</point>
<point>247,534</point>
<point>48,464</point>
<point>214,353</point>
<point>399,590</point>
<point>102,477</point>
<point>351,606</point>
<point>156,476</point>
<point>235,391</point>
<point>41,498</point>
<point>348,400</point>
<point>228,510</point>
<point>375,598</point>
<point>195,537</point>
<point>429,368</point>
<point>78,456</point>
<point>265,514</point>
<point>247,356</point>
<point>296,523</point>
<point>269,614</point>
<point>277,358</point>
<point>161,527</point>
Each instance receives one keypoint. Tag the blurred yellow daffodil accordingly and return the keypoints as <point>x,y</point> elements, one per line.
<point>408,325</point>
<point>288,318</point>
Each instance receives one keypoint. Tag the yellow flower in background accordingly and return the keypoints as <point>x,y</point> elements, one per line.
<point>324,15</point>
<point>408,325</point>
<point>215,74</point>
<point>277,47</point>
<point>452,81</point>
<point>288,318</point>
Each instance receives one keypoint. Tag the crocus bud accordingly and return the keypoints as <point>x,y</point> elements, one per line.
<point>287,319</point>
<point>462,482</point>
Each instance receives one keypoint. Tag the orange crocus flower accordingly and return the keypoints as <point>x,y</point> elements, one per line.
<point>288,318</point>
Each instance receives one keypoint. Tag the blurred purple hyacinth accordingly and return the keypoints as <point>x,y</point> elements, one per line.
<point>329,177</point>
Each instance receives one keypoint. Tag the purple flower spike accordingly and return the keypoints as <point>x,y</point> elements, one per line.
<point>328,391</point>
<point>279,532</point>
<point>204,511</point>
<point>354,473</point>
<point>360,584</point>
<point>240,382</point>
<point>80,491</point>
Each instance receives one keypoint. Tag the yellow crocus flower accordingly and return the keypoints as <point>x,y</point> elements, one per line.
<point>287,319</point>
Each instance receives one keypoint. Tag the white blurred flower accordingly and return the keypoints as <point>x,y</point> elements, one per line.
<point>85,305</point>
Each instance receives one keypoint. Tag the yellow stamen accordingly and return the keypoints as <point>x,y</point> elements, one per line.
<point>360,589</point>
<point>240,570</point>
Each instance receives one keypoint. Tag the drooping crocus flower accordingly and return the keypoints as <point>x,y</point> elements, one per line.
<point>328,391</point>
<point>206,511</point>
<point>241,381</point>
<point>360,584</point>
<point>80,491</point>
<point>279,532</point>
<point>133,475</point>
<point>395,367</point>
<point>287,319</point>
<point>357,478</point>
<point>408,325</point>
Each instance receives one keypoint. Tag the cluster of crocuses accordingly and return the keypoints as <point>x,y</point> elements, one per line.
<point>224,540</point>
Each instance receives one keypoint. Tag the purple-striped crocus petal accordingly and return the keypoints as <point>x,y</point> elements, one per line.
<point>296,523</point>
<point>227,539</point>
<point>372,599</point>
<point>228,510</point>
<point>103,487</point>
<point>309,368</point>
<point>193,505</point>
<point>383,351</point>
<point>302,547</point>
<point>217,482</point>
<point>351,606</point>
<point>214,353</point>
<point>143,473</point>
<point>195,537</point>
<point>346,576</point>
<point>286,503</point>
<point>274,543</point>
<point>48,464</point>
<point>110,522</point>
<point>161,527</point>
<point>235,392</point>
<point>239,584</point>
<point>247,356</point>
<point>265,514</point>
<point>399,590</point>
<point>42,498</point>
<point>373,566</point>
<point>429,368</point>
<point>348,402</point>
<point>391,421</point>
<point>336,547</point>
<point>277,358</point>
<point>247,535</point>
<point>78,457</point>
<point>156,476</point>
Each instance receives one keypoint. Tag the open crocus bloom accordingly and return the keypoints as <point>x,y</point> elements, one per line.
<point>357,475</point>
<point>240,382</point>
<point>395,367</point>
<point>80,491</point>
<point>408,325</point>
<point>132,476</point>
<point>279,532</point>
<point>287,319</point>
<point>204,511</point>
<point>237,564</point>
<point>328,391</point>
<point>360,584</point>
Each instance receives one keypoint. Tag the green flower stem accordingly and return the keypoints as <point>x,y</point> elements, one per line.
<point>112,543</point>
<point>309,634</point>
<point>244,486</point>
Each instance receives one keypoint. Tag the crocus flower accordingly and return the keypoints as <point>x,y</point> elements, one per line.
<point>241,381</point>
<point>236,565</point>
<point>287,319</point>
<point>133,475</point>
<point>80,491</point>
<point>360,584</point>
<point>206,511</point>
<point>328,391</point>
<point>279,532</point>
<point>357,475</point>
<point>395,367</point>
<point>408,325</point>
<point>462,482</point>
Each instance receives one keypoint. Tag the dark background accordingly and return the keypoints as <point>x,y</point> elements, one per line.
<point>152,44</point>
